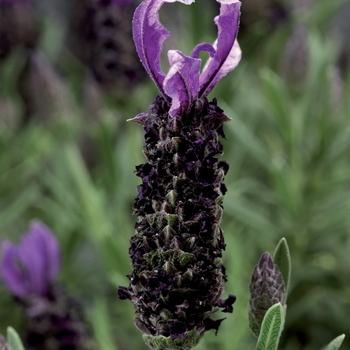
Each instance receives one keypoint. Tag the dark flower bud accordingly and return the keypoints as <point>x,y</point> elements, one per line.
<point>295,58</point>
<point>43,90</point>
<point>100,36</point>
<point>17,26</point>
<point>266,289</point>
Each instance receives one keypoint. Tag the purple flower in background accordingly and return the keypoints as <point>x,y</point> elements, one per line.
<point>30,268</point>
<point>178,276</point>
<point>55,319</point>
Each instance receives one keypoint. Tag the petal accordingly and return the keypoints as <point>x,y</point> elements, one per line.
<point>10,270</point>
<point>227,53</point>
<point>182,81</point>
<point>149,35</point>
<point>203,47</point>
<point>39,253</point>
<point>31,255</point>
<point>230,64</point>
<point>226,2</point>
<point>51,248</point>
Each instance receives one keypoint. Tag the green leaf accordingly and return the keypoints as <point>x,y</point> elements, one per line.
<point>278,100</point>
<point>102,325</point>
<point>335,344</point>
<point>281,257</point>
<point>247,138</point>
<point>271,328</point>
<point>13,339</point>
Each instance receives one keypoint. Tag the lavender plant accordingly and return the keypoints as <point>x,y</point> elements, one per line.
<point>178,275</point>
<point>29,270</point>
<point>268,296</point>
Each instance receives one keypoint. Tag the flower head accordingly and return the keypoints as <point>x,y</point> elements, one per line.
<point>184,82</point>
<point>30,267</point>
<point>178,276</point>
<point>266,289</point>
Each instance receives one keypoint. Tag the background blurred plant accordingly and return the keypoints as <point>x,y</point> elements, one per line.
<point>54,319</point>
<point>100,36</point>
<point>289,176</point>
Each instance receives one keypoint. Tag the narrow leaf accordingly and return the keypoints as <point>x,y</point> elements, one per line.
<point>101,324</point>
<point>281,257</point>
<point>278,101</point>
<point>13,339</point>
<point>335,343</point>
<point>247,138</point>
<point>271,328</point>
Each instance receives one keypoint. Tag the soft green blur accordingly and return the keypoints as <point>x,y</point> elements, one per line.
<point>288,146</point>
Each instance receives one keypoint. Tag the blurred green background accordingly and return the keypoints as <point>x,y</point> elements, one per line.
<point>67,157</point>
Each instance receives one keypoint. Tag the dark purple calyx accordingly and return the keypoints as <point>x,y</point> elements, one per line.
<point>176,251</point>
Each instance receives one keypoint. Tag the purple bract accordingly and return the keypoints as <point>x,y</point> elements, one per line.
<point>30,267</point>
<point>184,82</point>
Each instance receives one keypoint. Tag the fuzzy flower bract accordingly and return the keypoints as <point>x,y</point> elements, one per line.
<point>184,83</point>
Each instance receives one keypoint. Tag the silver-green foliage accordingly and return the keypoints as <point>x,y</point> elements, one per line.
<point>166,343</point>
<point>13,339</point>
<point>335,343</point>
<point>271,328</point>
<point>281,258</point>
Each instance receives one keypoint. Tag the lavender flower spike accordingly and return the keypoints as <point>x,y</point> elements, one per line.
<point>29,268</point>
<point>184,83</point>
<point>176,252</point>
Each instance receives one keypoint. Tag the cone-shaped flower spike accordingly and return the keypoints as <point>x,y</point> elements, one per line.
<point>176,251</point>
<point>266,289</point>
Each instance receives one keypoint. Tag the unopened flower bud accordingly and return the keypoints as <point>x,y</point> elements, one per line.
<point>266,289</point>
